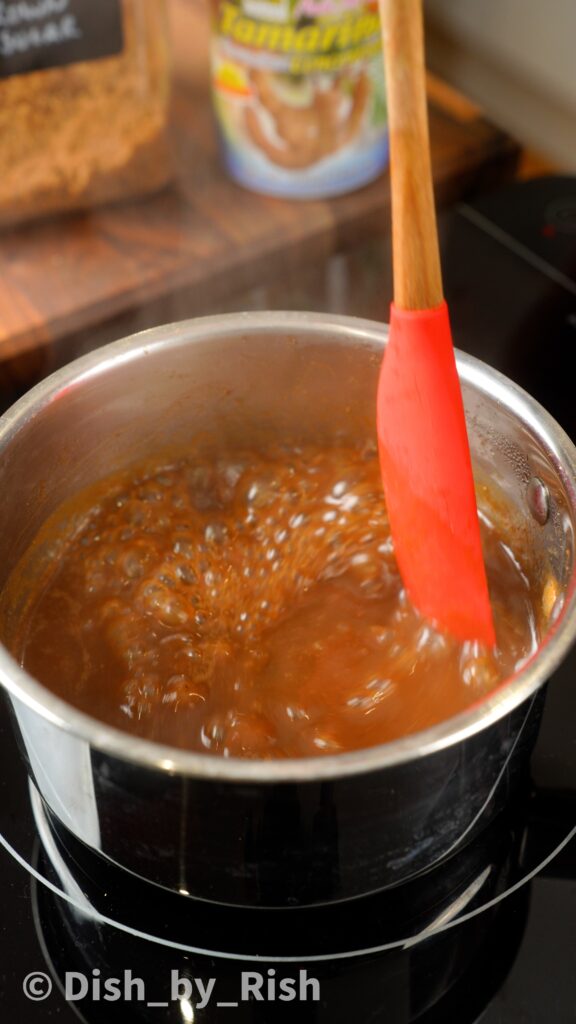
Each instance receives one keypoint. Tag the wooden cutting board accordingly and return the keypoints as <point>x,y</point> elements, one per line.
<point>66,275</point>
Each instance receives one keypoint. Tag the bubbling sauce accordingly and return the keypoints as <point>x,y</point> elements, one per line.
<point>250,606</point>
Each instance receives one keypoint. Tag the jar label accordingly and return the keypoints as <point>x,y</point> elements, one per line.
<point>299,93</point>
<point>40,34</point>
<point>298,41</point>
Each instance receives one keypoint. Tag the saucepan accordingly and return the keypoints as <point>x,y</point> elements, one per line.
<point>291,832</point>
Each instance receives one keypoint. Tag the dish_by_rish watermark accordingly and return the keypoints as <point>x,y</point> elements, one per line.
<point>193,991</point>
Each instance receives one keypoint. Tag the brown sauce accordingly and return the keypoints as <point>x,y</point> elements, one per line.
<point>251,607</point>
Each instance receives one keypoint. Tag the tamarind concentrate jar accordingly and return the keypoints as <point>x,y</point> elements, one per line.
<point>298,88</point>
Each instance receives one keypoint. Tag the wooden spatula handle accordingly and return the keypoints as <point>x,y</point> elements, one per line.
<point>417,273</point>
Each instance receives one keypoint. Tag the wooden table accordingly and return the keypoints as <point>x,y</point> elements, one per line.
<point>205,235</point>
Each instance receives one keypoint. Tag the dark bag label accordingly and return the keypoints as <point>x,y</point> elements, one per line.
<point>39,34</point>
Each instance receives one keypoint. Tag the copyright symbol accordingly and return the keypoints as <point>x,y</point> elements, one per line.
<point>37,986</point>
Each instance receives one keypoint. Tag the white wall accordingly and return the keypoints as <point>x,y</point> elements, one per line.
<point>518,59</point>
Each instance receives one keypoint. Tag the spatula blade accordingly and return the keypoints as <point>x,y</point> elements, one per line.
<point>427,474</point>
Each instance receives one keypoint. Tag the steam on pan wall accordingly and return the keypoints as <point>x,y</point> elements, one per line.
<point>516,58</point>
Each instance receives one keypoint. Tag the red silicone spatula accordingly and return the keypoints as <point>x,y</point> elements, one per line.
<point>424,451</point>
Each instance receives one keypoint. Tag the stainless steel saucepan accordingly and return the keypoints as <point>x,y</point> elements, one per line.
<point>291,832</point>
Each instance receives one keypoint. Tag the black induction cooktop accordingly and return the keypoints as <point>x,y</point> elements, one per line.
<point>489,935</point>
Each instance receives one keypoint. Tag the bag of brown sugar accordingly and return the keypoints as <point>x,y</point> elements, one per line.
<point>84,92</point>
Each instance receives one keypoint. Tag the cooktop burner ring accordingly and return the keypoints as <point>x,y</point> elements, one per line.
<point>83,906</point>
